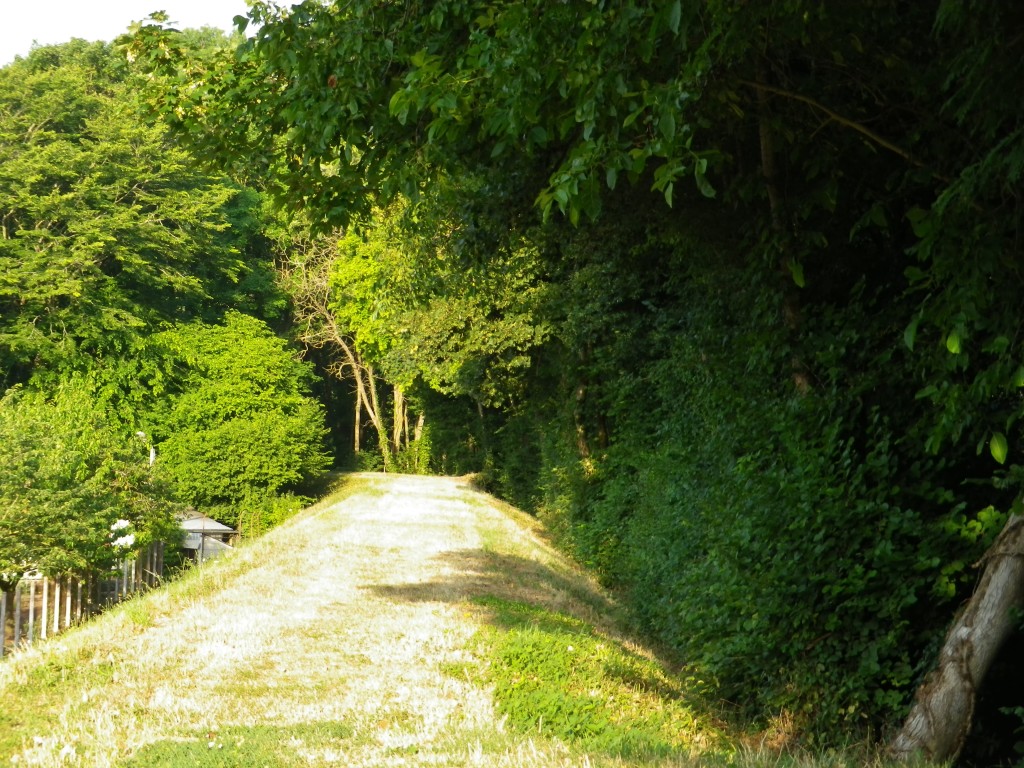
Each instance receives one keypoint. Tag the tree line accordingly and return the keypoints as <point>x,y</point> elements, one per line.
<point>139,310</point>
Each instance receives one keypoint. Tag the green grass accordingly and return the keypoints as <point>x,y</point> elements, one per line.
<point>557,676</point>
<point>247,747</point>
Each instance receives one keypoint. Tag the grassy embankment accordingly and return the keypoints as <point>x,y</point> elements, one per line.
<point>400,621</point>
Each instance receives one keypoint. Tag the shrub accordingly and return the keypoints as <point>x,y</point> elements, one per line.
<point>239,423</point>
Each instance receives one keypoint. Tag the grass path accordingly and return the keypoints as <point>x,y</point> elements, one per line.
<point>331,641</point>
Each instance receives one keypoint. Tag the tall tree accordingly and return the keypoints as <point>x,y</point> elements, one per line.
<point>107,228</point>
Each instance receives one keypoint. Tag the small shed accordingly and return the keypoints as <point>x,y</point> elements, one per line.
<point>204,536</point>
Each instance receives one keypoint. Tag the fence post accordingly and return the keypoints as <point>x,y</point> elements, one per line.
<point>56,606</point>
<point>17,613</point>
<point>31,611</point>
<point>46,608</point>
<point>3,621</point>
<point>87,604</point>
<point>67,601</point>
<point>78,605</point>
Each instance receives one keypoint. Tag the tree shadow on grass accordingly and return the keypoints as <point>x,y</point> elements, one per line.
<point>558,662</point>
<point>467,575</point>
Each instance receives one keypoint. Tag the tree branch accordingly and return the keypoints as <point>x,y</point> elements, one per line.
<point>853,124</point>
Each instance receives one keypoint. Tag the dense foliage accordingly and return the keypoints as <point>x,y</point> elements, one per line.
<point>236,425</point>
<point>764,374</point>
<point>76,494</point>
<point>124,272</point>
<point>108,228</point>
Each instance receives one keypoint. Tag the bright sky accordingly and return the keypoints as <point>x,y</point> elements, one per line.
<point>57,21</point>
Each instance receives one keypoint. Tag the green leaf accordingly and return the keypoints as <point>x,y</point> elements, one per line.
<point>1018,377</point>
<point>396,103</point>
<point>797,270</point>
<point>699,175</point>
<point>953,343</point>
<point>667,124</point>
<point>674,15</point>
<point>997,445</point>
<point>921,221</point>
<point>910,334</point>
<point>611,176</point>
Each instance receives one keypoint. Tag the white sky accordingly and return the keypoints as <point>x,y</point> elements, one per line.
<point>57,21</point>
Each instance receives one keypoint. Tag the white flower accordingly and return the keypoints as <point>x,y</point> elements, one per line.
<point>124,541</point>
<point>117,526</point>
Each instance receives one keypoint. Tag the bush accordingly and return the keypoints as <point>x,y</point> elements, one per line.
<point>239,426</point>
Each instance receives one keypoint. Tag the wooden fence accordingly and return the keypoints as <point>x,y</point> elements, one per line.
<point>40,606</point>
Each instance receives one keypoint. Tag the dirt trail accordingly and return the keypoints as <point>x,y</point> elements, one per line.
<point>350,613</point>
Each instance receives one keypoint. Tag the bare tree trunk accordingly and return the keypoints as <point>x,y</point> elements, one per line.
<point>399,420</point>
<point>943,709</point>
<point>374,412</point>
<point>356,429</point>
<point>309,279</point>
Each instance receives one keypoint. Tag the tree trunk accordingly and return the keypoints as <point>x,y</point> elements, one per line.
<point>940,718</point>
<point>358,424</point>
<point>309,278</point>
<point>399,421</point>
<point>375,416</point>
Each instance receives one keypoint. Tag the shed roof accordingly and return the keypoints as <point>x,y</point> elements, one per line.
<point>200,522</point>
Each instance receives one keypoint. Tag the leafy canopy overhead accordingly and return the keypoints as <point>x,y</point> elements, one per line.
<point>346,99</point>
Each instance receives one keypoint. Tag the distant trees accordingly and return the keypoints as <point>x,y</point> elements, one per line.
<point>135,288</point>
<point>108,229</point>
